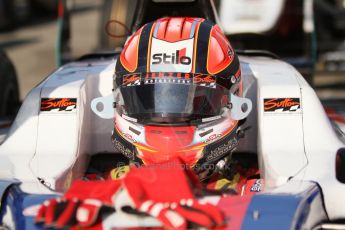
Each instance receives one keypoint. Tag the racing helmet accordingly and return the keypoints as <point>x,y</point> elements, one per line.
<point>175,82</point>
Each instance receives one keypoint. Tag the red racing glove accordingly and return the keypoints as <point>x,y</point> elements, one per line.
<point>165,191</point>
<point>81,206</point>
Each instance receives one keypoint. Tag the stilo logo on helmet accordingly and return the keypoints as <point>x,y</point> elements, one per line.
<point>175,58</point>
<point>171,56</point>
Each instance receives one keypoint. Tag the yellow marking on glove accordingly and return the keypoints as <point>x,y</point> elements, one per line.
<point>225,183</point>
<point>119,172</point>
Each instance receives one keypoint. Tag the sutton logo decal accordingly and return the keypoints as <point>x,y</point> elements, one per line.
<point>282,104</point>
<point>131,79</point>
<point>205,80</point>
<point>58,104</point>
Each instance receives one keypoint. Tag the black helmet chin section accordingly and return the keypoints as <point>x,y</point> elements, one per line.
<point>220,150</point>
<point>125,147</point>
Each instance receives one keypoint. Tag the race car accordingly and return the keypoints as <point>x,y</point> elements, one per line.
<point>56,134</point>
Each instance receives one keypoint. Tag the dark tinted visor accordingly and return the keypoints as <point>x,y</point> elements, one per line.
<point>174,96</point>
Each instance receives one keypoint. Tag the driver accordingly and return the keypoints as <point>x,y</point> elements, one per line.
<point>174,84</point>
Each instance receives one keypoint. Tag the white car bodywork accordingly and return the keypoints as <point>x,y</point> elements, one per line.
<point>47,150</point>
<point>258,16</point>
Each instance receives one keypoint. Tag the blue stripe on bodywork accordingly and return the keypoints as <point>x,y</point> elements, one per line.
<point>305,208</point>
<point>274,212</point>
<point>279,211</point>
<point>4,185</point>
<point>18,201</point>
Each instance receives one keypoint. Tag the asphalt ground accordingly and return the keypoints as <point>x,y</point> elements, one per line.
<point>31,47</point>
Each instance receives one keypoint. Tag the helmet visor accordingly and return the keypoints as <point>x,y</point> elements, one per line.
<point>170,97</point>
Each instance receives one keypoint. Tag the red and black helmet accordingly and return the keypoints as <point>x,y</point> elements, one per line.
<point>173,83</point>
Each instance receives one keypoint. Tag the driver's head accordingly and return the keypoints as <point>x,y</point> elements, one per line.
<point>172,84</point>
